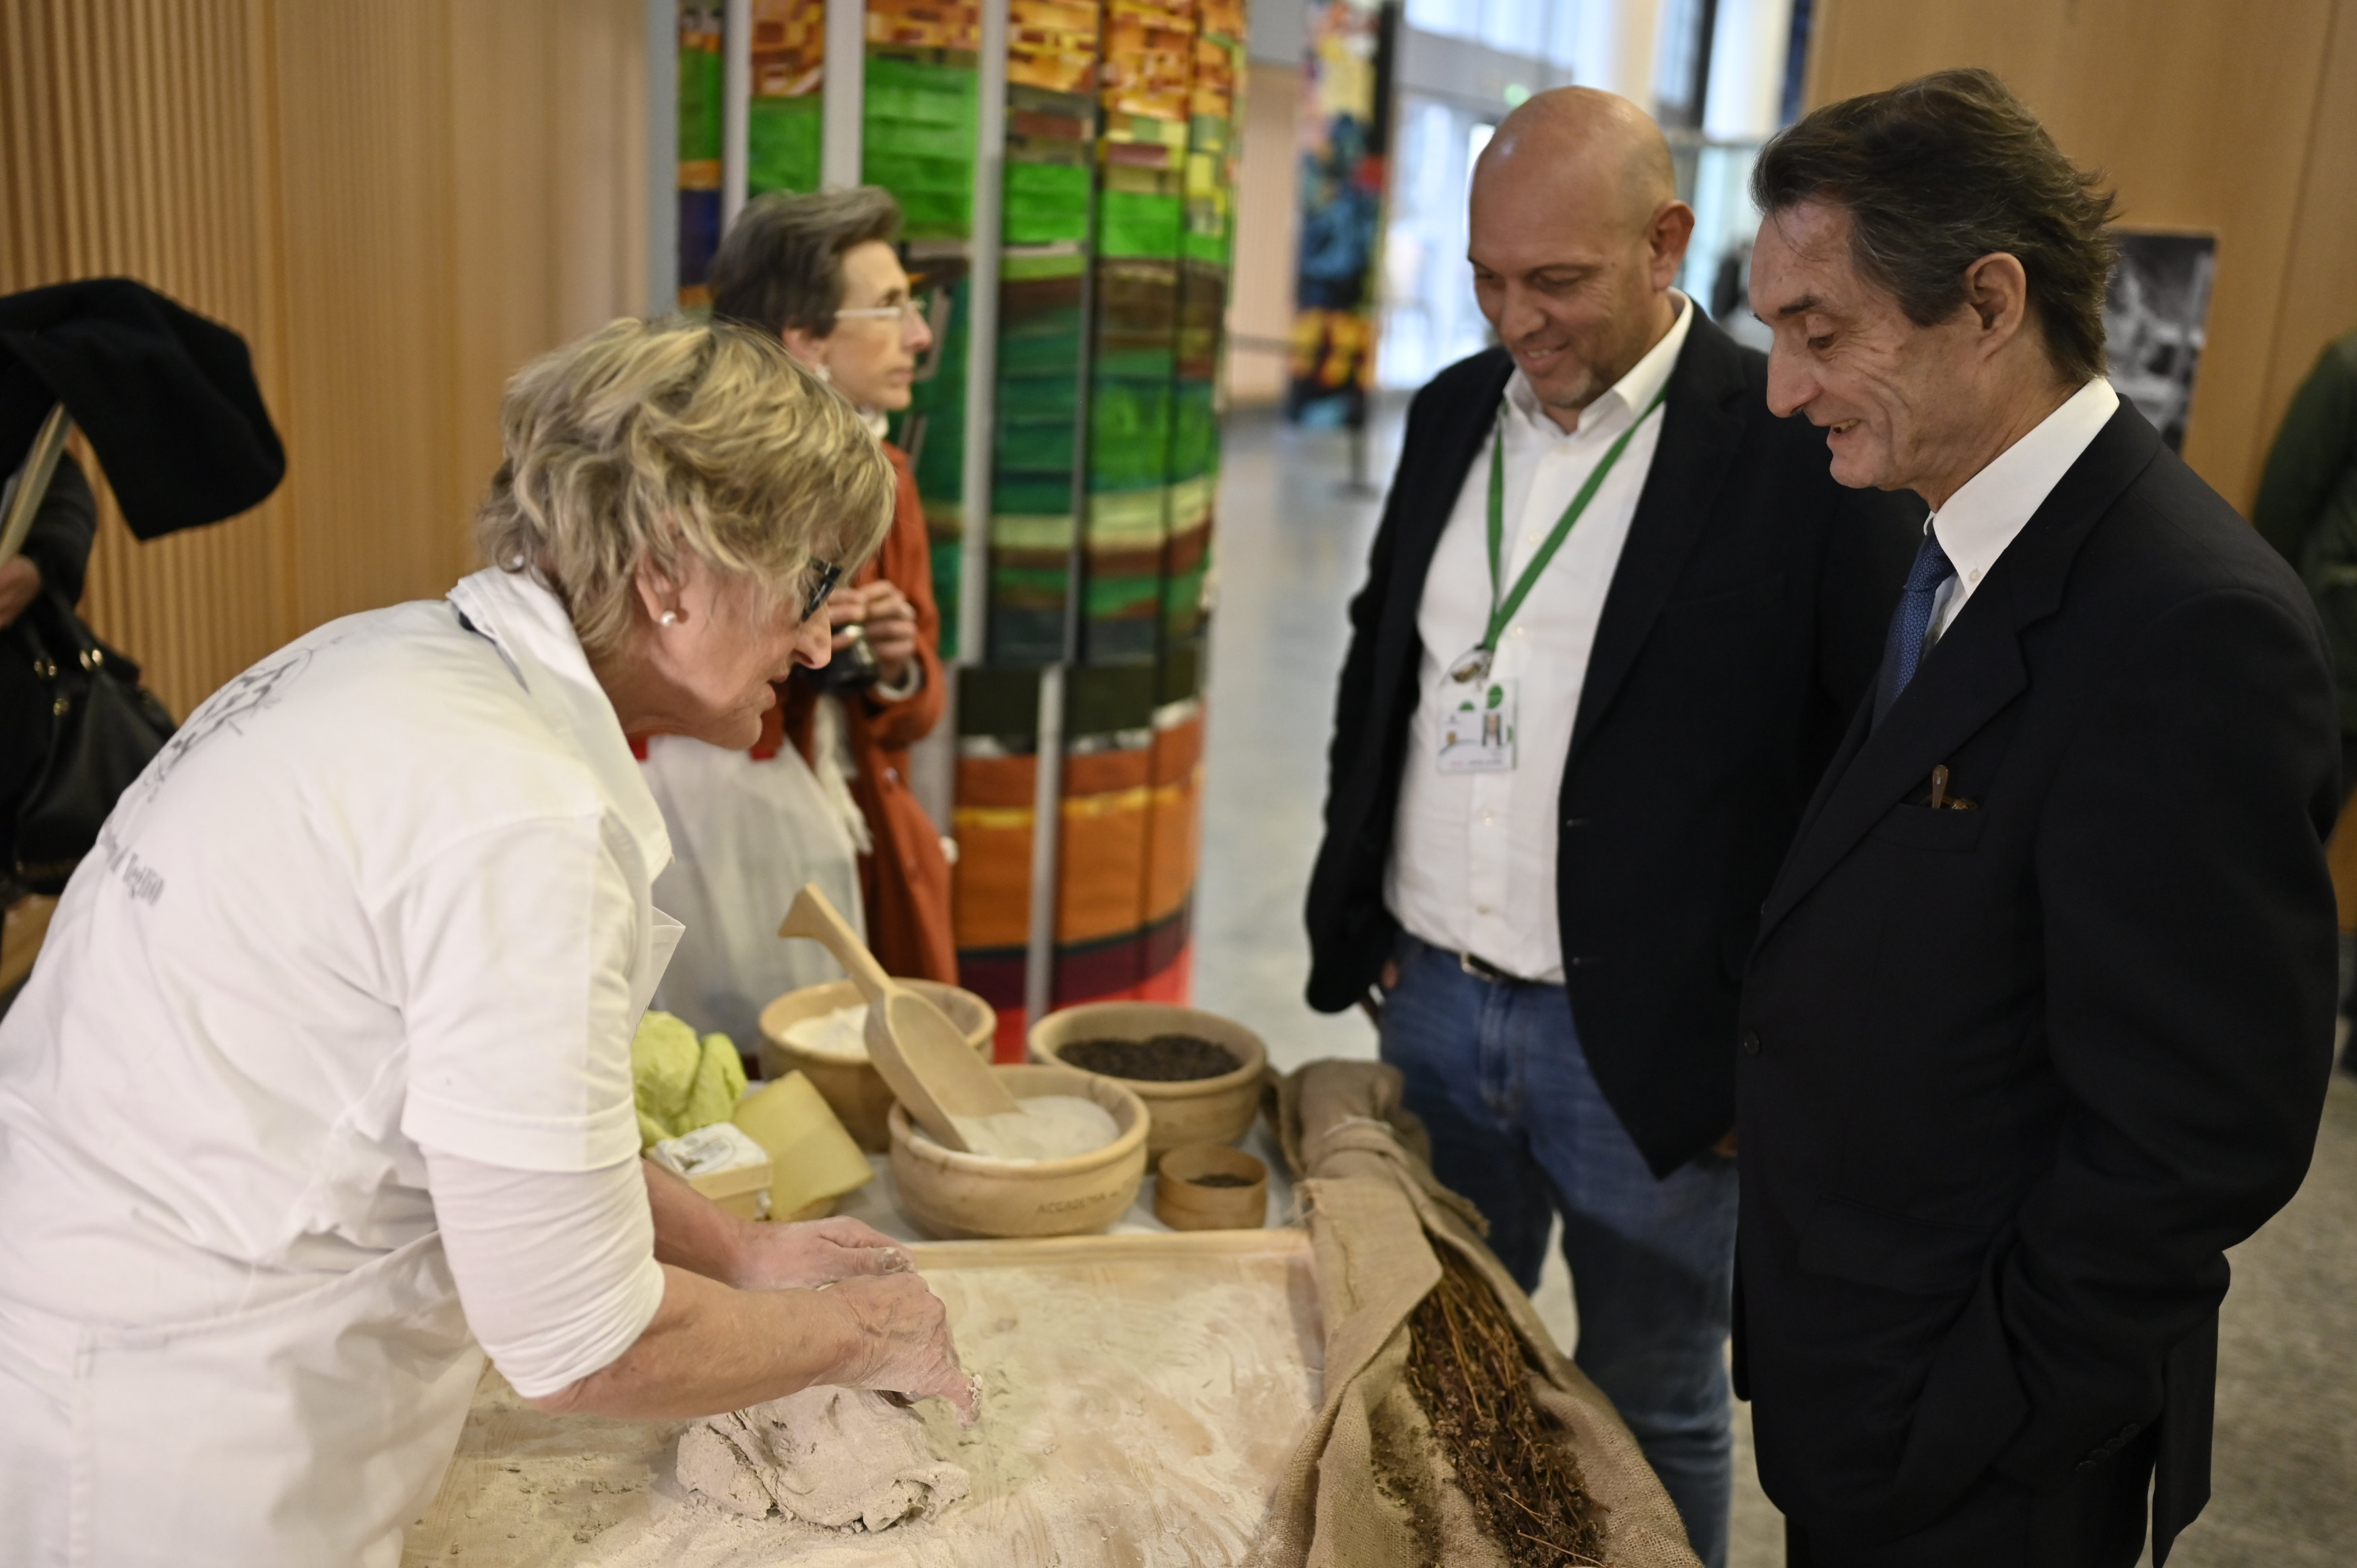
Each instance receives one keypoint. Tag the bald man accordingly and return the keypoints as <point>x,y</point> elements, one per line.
<point>1616,618</point>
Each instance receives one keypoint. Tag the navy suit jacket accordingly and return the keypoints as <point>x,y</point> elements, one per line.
<point>2013,1078</point>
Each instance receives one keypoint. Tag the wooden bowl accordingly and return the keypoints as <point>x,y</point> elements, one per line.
<point>957,1195</point>
<point>1197,1111</point>
<point>851,1085</point>
<point>1182,1203</point>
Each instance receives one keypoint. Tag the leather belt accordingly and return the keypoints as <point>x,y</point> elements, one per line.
<point>1482,969</point>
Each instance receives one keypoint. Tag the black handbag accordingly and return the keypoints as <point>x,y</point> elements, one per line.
<point>104,728</point>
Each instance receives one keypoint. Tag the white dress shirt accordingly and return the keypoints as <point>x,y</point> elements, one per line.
<point>1472,866</point>
<point>1993,507</point>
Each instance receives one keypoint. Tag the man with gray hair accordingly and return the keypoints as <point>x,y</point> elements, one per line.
<point>2039,1018</point>
<point>1616,617</point>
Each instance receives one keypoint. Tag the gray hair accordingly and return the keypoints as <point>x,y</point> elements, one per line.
<point>781,264</point>
<point>1937,173</point>
<point>650,441</point>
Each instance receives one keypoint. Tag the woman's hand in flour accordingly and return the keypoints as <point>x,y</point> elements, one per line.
<point>816,1253</point>
<point>899,1343</point>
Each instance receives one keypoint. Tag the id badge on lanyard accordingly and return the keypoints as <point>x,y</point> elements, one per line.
<point>1477,727</point>
<point>1477,732</point>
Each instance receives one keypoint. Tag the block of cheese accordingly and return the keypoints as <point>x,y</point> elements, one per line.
<point>810,1155</point>
<point>724,1162</point>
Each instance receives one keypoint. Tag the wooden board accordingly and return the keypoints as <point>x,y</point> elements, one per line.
<point>1141,1394</point>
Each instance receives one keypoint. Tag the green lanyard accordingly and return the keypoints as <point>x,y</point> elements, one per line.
<point>1475,664</point>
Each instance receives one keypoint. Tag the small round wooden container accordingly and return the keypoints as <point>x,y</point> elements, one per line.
<point>1183,1204</point>
<point>959,1195</point>
<point>850,1084</point>
<point>1195,1111</point>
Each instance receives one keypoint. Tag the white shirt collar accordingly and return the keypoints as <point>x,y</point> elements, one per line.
<point>1994,506</point>
<point>1625,398</point>
<point>532,628</point>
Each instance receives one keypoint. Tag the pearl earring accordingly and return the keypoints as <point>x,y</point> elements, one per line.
<point>670,618</point>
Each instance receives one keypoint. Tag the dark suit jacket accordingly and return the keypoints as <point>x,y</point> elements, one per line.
<point>2012,1078</point>
<point>1744,622</point>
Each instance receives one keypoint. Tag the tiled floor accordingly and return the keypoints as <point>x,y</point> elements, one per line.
<point>1291,550</point>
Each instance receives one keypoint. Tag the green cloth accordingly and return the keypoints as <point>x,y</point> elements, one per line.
<point>681,1084</point>
<point>2307,504</point>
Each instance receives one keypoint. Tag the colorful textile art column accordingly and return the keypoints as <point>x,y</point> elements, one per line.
<point>917,141</point>
<point>699,150</point>
<point>997,783</point>
<point>789,76</point>
<point>1114,225</point>
<point>1048,197</point>
<point>1132,774</point>
<point>1344,108</point>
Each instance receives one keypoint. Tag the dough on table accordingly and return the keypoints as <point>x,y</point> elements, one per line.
<point>843,1458</point>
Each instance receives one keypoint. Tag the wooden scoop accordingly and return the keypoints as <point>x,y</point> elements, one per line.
<point>923,1058</point>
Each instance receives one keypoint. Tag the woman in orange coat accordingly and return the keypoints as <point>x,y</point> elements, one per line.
<point>821,273</point>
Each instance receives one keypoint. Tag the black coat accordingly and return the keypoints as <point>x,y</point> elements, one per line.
<point>1744,619</point>
<point>60,545</point>
<point>2013,1078</point>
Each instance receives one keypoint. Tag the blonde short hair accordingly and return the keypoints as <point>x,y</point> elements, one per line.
<point>651,440</point>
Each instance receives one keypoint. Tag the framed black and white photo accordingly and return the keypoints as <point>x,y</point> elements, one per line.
<point>2156,318</point>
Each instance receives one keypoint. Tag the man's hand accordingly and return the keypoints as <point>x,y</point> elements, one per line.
<point>900,1343</point>
<point>816,1253</point>
<point>20,583</point>
<point>1371,1004</point>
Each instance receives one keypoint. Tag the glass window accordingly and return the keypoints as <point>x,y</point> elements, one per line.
<point>1514,26</point>
<point>1563,32</point>
<point>1451,18</point>
<point>1430,318</point>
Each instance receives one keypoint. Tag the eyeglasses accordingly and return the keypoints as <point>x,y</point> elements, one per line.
<point>828,574</point>
<point>906,311</point>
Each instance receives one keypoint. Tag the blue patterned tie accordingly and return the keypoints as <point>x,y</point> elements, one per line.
<point>1903,650</point>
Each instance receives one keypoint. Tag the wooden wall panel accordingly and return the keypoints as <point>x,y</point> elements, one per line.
<point>2204,113</point>
<point>396,205</point>
<point>364,163</point>
<point>2318,301</point>
<point>540,261</point>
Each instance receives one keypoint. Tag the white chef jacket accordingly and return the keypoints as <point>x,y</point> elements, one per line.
<point>388,889</point>
<point>1473,854</point>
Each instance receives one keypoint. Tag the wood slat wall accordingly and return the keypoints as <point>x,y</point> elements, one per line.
<point>397,205</point>
<point>2236,118</point>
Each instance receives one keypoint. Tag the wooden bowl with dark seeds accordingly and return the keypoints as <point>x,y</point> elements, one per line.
<point>1167,1055</point>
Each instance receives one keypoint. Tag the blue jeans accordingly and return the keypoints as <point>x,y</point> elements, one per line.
<point>1519,1128</point>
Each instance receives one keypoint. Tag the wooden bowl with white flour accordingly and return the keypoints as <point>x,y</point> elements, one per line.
<point>960,1196</point>
<point>801,1033</point>
<point>1218,1109</point>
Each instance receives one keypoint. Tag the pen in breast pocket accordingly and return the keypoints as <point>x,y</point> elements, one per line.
<point>1942,798</point>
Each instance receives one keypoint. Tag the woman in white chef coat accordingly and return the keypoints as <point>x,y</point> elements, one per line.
<point>323,1079</point>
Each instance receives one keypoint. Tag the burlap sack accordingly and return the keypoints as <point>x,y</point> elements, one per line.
<point>1368,1489</point>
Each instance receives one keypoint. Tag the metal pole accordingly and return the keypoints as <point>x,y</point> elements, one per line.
<point>981,333</point>
<point>844,99</point>
<point>663,155</point>
<point>1046,834</point>
<point>736,107</point>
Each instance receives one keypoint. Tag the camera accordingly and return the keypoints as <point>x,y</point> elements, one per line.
<point>853,667</point>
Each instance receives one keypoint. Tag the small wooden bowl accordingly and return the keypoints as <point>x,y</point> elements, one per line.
<point>1183,1204</point>
<point>851,1085</point>
<point>1194,1110</point>
<point>959,1195</point>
